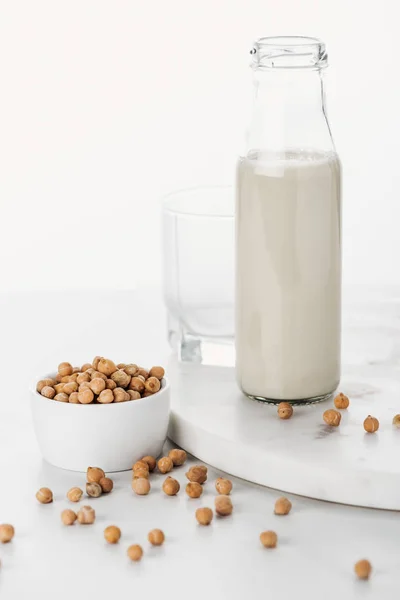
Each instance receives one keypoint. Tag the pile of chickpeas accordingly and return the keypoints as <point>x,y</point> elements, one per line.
<point>101,382</point>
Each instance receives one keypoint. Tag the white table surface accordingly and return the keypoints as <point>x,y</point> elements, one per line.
<point>318,542</point>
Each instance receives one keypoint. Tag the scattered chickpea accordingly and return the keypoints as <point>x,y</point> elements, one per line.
<point>112,534</point>
<point>177,456</point>
<point>171,486</point>
<point>65,369</point>
<point>106,397</point>
<point>68,517</point>
<point>363,569</point>
<point>269,539</point>
<point>43,383</point>
<point>283,506</point>
<point>157,372</point>
<point>48,392</point>
<point>85,367</point>
<point>396,421</point>
<point>285,410</point>
<point>150,461</point>
<point>7,533</point>
<point>135,552</point>
<point>204,516</point>
<point>73,398</point>
<point>106,366</point>
<point>44,496</point>
<point>134,395</point>
<point>93,490</point>
<point>341,401</point>
<point>156,537</point>
<point>61,397</point>
<point>71,387</point>
<point>131,370</point>
<point>332,417</point>
<point>94,474</point>
<point>121,378</point>
<point>85,396</point>
<point>223,486</point>
<point>106,484</point>
<point>97,385</point>
<point>152,385</point>
<point>140,464</point>
<point>223,505</point>
<point>371,424</point>
<point>86,515</point>
<point>165,464</point>
<point>110,384</point>
<point>74,494</point>
<point>198,474</point>
<point>140,473</point>
<point>141,486</point>
<point>194,490</point>
<point>136,384</point>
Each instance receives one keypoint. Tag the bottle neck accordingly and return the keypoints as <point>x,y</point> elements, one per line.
<point>289,111</point>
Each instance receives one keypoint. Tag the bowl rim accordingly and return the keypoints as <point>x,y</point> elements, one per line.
<point>165,385</point>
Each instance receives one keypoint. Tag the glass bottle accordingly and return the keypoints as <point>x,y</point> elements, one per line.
<point>288,231</point>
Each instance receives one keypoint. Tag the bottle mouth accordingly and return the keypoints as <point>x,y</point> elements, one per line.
<point>289,52</point>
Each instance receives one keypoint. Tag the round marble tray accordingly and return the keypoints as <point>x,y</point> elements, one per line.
<point>216,423</point>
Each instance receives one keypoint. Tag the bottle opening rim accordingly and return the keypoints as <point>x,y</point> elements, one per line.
<point>289,52</point>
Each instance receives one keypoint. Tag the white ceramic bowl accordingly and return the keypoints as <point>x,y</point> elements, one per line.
<point>110,436</point>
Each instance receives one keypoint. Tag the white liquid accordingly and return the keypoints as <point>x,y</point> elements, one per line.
<point>288,275</point>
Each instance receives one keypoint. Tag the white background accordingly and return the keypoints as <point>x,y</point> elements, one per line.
<point>107,105</point>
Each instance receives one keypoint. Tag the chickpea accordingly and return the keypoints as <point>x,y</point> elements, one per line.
<point>152,385</point>
<point>85,396</point>
<point>285,410</point>
<point>112,534</point>
<point>121,366</point>
<point>95,362</point>
<point>110,384</point>
<point>76,370</point>
<point>396,421</point>
<point>197,474</point>
<point>65,379</point>
<point>73,398</point>
<point>194,490</point>
<point>165,464</point>
<point>171,486</point>
<point>150,461</point>
<point>97,375</point>
<point>86,515</point>
<point>97,385</point>
<point>43,383</point>
<point>106,397</point>
<point>106,484</point>
<point>283,506</point>
<point>204,516</point>
<point>48,392</point>
<point>157,372</point>
<point>269,539</point>
<point>177,456</point>
<point>120,395</point>
<point>134,395</point>
<point>141,473</point>
<point>84,386</point>
<point>156,537</point>
<point>121,378</point>
<point>131,370</point>
<point>341,401</point>
<point>223,486</point>
<point>59,387</point>
<point>94,474</point>
<point>74,494</point>
<point>71,387</point>
<point>44,496</point>
<point>136,384</point>
<point>86,366</point>
<point>83,377</point>
<point>135,552</point>
<point>94,490</point>
<point>332,417</point>
<point>143,372</point>
<point>140,464</point>
<point>7,533</point>
<point>58,378</point>
<point>141,486</point>
<point>68,517</point>
<point>223,505</point>
<point>61,397</point>
<point>363,569</point>
<point>371,424</point>
<point>65,369</point>
<point>106,366</point>
<point>146,394</point>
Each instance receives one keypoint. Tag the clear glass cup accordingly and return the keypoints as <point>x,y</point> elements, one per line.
<point>198,270</point>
